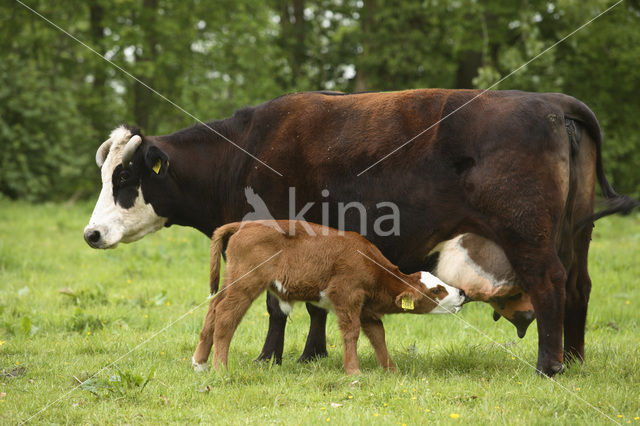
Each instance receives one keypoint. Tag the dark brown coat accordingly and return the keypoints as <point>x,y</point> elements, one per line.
<point>516,168</point>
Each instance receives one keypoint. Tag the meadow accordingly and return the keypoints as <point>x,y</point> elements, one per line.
<point>98,337</point>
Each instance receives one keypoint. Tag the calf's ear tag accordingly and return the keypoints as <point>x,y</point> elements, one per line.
<point>407,303</point>
<point>156,167</point>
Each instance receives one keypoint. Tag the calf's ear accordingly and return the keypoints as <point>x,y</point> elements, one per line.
<point>157,161</point>
<point>406,300</point>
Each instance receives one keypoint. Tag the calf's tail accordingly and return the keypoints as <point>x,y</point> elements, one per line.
<point>218,243</point>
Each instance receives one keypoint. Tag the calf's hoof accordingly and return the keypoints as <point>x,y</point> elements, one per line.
<point>312,356</point>
<point>198,367</point>
<point>392,369</point>
<point>550,370</point>
<point>353,372</point>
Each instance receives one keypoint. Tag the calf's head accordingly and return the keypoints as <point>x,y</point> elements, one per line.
<point>122,214</point>
<point>435,297</point>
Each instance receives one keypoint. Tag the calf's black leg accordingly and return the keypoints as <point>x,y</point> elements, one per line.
<point>274,343</point>
<point>316,346</point>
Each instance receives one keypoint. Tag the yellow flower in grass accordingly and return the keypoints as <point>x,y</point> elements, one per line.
<point>328,419</point>
<point>2,342</point>
<point>454,415</point>
<point>375,414</point>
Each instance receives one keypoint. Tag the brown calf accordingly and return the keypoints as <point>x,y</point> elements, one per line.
<point>338,271</point>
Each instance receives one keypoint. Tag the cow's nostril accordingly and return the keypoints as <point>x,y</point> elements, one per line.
<point>92,237</point>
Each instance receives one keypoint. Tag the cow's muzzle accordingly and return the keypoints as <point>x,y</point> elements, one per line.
<point>94,236</point>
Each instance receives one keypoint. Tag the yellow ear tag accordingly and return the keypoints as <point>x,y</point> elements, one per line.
<point>156,167</point>
<point>407,303</point>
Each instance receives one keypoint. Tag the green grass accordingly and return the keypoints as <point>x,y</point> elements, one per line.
<point>120,298</point>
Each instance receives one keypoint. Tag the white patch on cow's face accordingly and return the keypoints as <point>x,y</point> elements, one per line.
<point>452,303</point>
<point>110,223</point>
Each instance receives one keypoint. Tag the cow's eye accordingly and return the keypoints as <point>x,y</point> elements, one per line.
<point>437,290</point>
<point>124,176</point>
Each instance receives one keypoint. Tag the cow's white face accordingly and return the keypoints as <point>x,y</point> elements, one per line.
<point>121,213</point>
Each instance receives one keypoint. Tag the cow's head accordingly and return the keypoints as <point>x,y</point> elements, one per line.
<point>122,214</point>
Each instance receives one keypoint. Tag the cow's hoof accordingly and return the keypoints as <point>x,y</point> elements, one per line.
<point>267,357</point>
<point>312,356</point>
<point>573,357</point>
<point>551,370</point>
<point>197,367</point>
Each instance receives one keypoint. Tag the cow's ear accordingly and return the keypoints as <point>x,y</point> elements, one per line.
<point>157,161</point>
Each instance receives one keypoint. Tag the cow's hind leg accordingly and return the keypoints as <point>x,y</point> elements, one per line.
<point>274,343</point>
<point>316,346</point>
<point>578,291</point>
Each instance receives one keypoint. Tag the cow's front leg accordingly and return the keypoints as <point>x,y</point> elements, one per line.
<point>316,346</point>
<point>274,343</point>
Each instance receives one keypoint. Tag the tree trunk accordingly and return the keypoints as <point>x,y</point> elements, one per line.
<point>96,30</point>
<point>142,96</point>
<point>299,45</point>
<point>368,15</point>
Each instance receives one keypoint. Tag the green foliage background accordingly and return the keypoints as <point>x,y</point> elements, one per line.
<point>58,100</point>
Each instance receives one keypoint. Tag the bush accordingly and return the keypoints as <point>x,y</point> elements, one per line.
<point>41,134</point>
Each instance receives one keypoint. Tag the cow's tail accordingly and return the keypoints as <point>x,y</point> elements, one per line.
<point>218,243</point>
<point>616,203</point>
